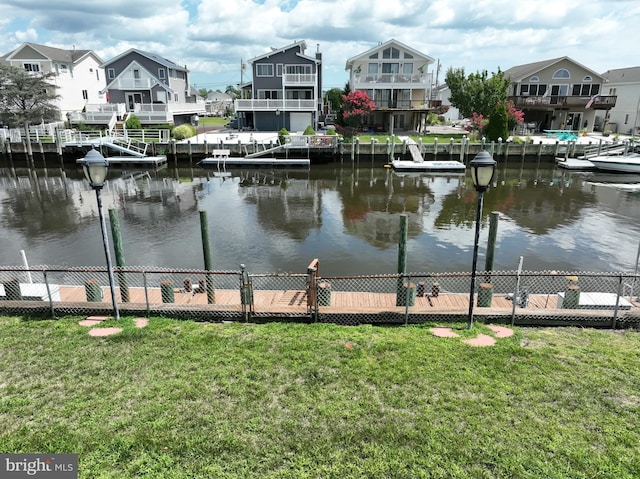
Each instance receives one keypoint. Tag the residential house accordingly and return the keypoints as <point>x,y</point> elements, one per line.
<point>624,83</point>
<point>217,103</point>
<point>560,94</point>
<point>286,90</point>
<point>78,76</point>
<point>152,88</point>
<point>396,77</point>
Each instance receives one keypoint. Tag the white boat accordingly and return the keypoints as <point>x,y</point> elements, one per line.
<point>435,165</point>
<point>629,163</point>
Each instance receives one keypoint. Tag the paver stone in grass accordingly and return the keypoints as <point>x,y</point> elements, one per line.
<point>444,333</point>
<point>99,332</point>
<point>480,340</point>
<point>501,331</point>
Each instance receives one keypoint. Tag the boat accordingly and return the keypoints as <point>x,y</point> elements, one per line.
<point>629,163</point>
<point>434,165</point>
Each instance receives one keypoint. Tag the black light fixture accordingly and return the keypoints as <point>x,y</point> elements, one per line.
<point>483,167</point>
<point>95,168</point>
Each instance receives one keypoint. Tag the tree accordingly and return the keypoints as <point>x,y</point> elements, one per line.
<point>203,92</point>
<point>478,92</point>
<point>334,98</point>
<point>498,126</point>
<point>26,98</point>
<point>233,92</point>
<point>356,107</point>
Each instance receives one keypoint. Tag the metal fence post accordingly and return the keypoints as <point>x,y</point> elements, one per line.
<point>146,292</point>
<point>407,293</point>
<point>516,292</point>
<point>46,282</point>
<point>615,310</point>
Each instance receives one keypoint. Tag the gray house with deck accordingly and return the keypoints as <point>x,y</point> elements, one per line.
<point>286,91</point>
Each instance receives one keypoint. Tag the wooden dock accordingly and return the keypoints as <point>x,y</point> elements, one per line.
<point>345,307</point>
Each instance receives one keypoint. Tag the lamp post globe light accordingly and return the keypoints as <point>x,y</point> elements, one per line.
<point>95,168</point>
<point>483,167</point>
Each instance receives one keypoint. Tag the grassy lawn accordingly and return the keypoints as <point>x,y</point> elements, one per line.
<point>212,120</point>
<point>196,400</point>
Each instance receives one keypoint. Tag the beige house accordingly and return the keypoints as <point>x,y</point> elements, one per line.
<point>397,78</point>
<point>560,94</point>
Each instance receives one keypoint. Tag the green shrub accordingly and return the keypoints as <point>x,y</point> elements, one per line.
<point>331,131</point>
<point>281,135</point>
<point>183,131</point>
<point>309,130</point>
<point>498,126</point>
<point>133,123</point>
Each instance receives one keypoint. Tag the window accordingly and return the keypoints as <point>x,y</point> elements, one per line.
<point>176,98</point>
<point>372,69</point>
<point>85,95</point>
<point>585,89</point>
<point>32,67</point>
<point>264,69</point>
<point>406,55</point>
<point>373,56</point>
<point>626,118</point>
<point>612,91</point>
<point>97,74</point>
<point>587,78</point>
<point>407,68</point>
<point>561,73</point>
<point>534,79</point>
<point>537,90</point>
<point>524,89</point>
<point>299,95</point>
<point>279,68</point>
<point>390,53</point>
<point>136,74</point>
<point>63,67</point>
<point>390,67</point>
<point>559,90</point>
<point>269,94</point>
<point>161,73</point>
<point>298,69</point>
<point>111,73</point>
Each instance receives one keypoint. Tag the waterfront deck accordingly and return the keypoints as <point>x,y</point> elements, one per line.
<point>350,307</point>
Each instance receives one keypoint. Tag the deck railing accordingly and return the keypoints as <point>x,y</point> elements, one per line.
<point>526,298</point>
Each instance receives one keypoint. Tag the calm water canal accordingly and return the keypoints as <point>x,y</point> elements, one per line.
<point>347,215</point>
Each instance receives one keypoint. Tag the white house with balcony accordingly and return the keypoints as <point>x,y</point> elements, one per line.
<point>77,74</point>
<point>152,88</point>
<point>286,90</point>
<point>624,84</point>
<point>397,78</point>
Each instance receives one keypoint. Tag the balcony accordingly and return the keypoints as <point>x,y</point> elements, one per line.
<point>132,84</point>
<point>273,105</point>
<point>389,80</point>
<point>408,105</point>
<point>600,102</point>
<point>299,79</point>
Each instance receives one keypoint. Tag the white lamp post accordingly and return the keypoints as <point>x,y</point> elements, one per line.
<point>483,166</point>
<point>95,168</point>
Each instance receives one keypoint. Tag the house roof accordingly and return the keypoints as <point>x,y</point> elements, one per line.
<point>623,75</point>
<point>522,72</point>
<point>301,45</point>
<point>156,58</point>
<point>147,72</point>
<point>59,55</point>
<point>218,96</point>
<point>382,46</point>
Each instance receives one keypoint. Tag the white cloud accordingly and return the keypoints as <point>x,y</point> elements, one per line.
<point>211,36</point>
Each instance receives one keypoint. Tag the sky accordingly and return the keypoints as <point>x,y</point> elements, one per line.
<point>212,37</point>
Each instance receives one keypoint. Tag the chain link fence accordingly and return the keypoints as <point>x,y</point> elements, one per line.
<point>523,298</point>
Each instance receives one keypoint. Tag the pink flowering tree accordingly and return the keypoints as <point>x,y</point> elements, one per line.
<point>515,116</point>
<point>356,107</point>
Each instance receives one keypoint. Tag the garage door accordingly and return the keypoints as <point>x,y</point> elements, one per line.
<point>299,121</point>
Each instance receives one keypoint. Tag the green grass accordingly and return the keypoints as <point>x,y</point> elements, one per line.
<point>196,400</point>
<point>212,120</point>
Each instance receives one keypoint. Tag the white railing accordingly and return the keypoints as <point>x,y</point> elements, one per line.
<point>193,108</point>
<point>423,80</point>
<point>299,79</point>
<point>118,108</point>
<point>272,105</point>
<point>133,84</point>
<point>161,135</point>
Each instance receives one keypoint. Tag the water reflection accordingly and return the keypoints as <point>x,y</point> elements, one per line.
<point>344,214</point>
